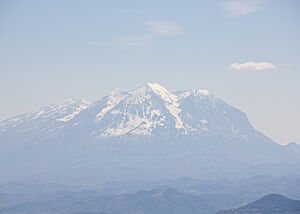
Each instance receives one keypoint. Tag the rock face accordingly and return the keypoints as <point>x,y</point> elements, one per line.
<point>269,204</point>
<point>149,131</point>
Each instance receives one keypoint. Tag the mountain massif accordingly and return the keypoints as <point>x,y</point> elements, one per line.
<point>146,133</point>
<point>149,111</point>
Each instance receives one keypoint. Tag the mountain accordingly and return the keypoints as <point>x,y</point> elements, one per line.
<point>269,204</point>
<point>149,131</point>
<point>150,202</point>
<point>148,111</point>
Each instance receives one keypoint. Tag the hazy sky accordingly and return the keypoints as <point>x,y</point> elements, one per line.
<point>247,52</point>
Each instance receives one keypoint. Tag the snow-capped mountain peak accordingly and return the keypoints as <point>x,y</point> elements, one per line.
<point>163,92</point>
<point>152,110</point>
<point>149,110</point>
<point>154,88</point>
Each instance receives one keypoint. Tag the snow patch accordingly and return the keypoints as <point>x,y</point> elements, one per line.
<point>71,116</point>
<point>171,103</point>
<point>38,114</point>
<point>114,99</point>
<point>14,120</point>
<point>135,125</point>
<point>203,121</point>
<point>194,92</point>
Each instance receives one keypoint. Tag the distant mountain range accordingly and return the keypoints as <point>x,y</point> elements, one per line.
<point>149,131</point>
<point>150,202</point>
<point>269,204</point>
<point>55,199</point>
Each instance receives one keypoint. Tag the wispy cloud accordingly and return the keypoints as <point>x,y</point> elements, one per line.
<point>155,29</point>
<point>164,28</point>
<point>242,7</point>
<point>134,41</point>
<point>252,66</point>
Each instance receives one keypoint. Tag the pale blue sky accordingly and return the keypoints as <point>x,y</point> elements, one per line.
<point>53,50</point>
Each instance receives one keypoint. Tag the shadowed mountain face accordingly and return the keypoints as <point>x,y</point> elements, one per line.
<point>150,132</point>
<point>269,204</point>
<point>148,202</point>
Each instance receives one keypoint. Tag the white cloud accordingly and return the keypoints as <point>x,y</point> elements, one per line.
<point>252,66</point>
<point>242,7</point>
<point>155,29</point>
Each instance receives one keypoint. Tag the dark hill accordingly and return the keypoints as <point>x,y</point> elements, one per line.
<point>269,204</point>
